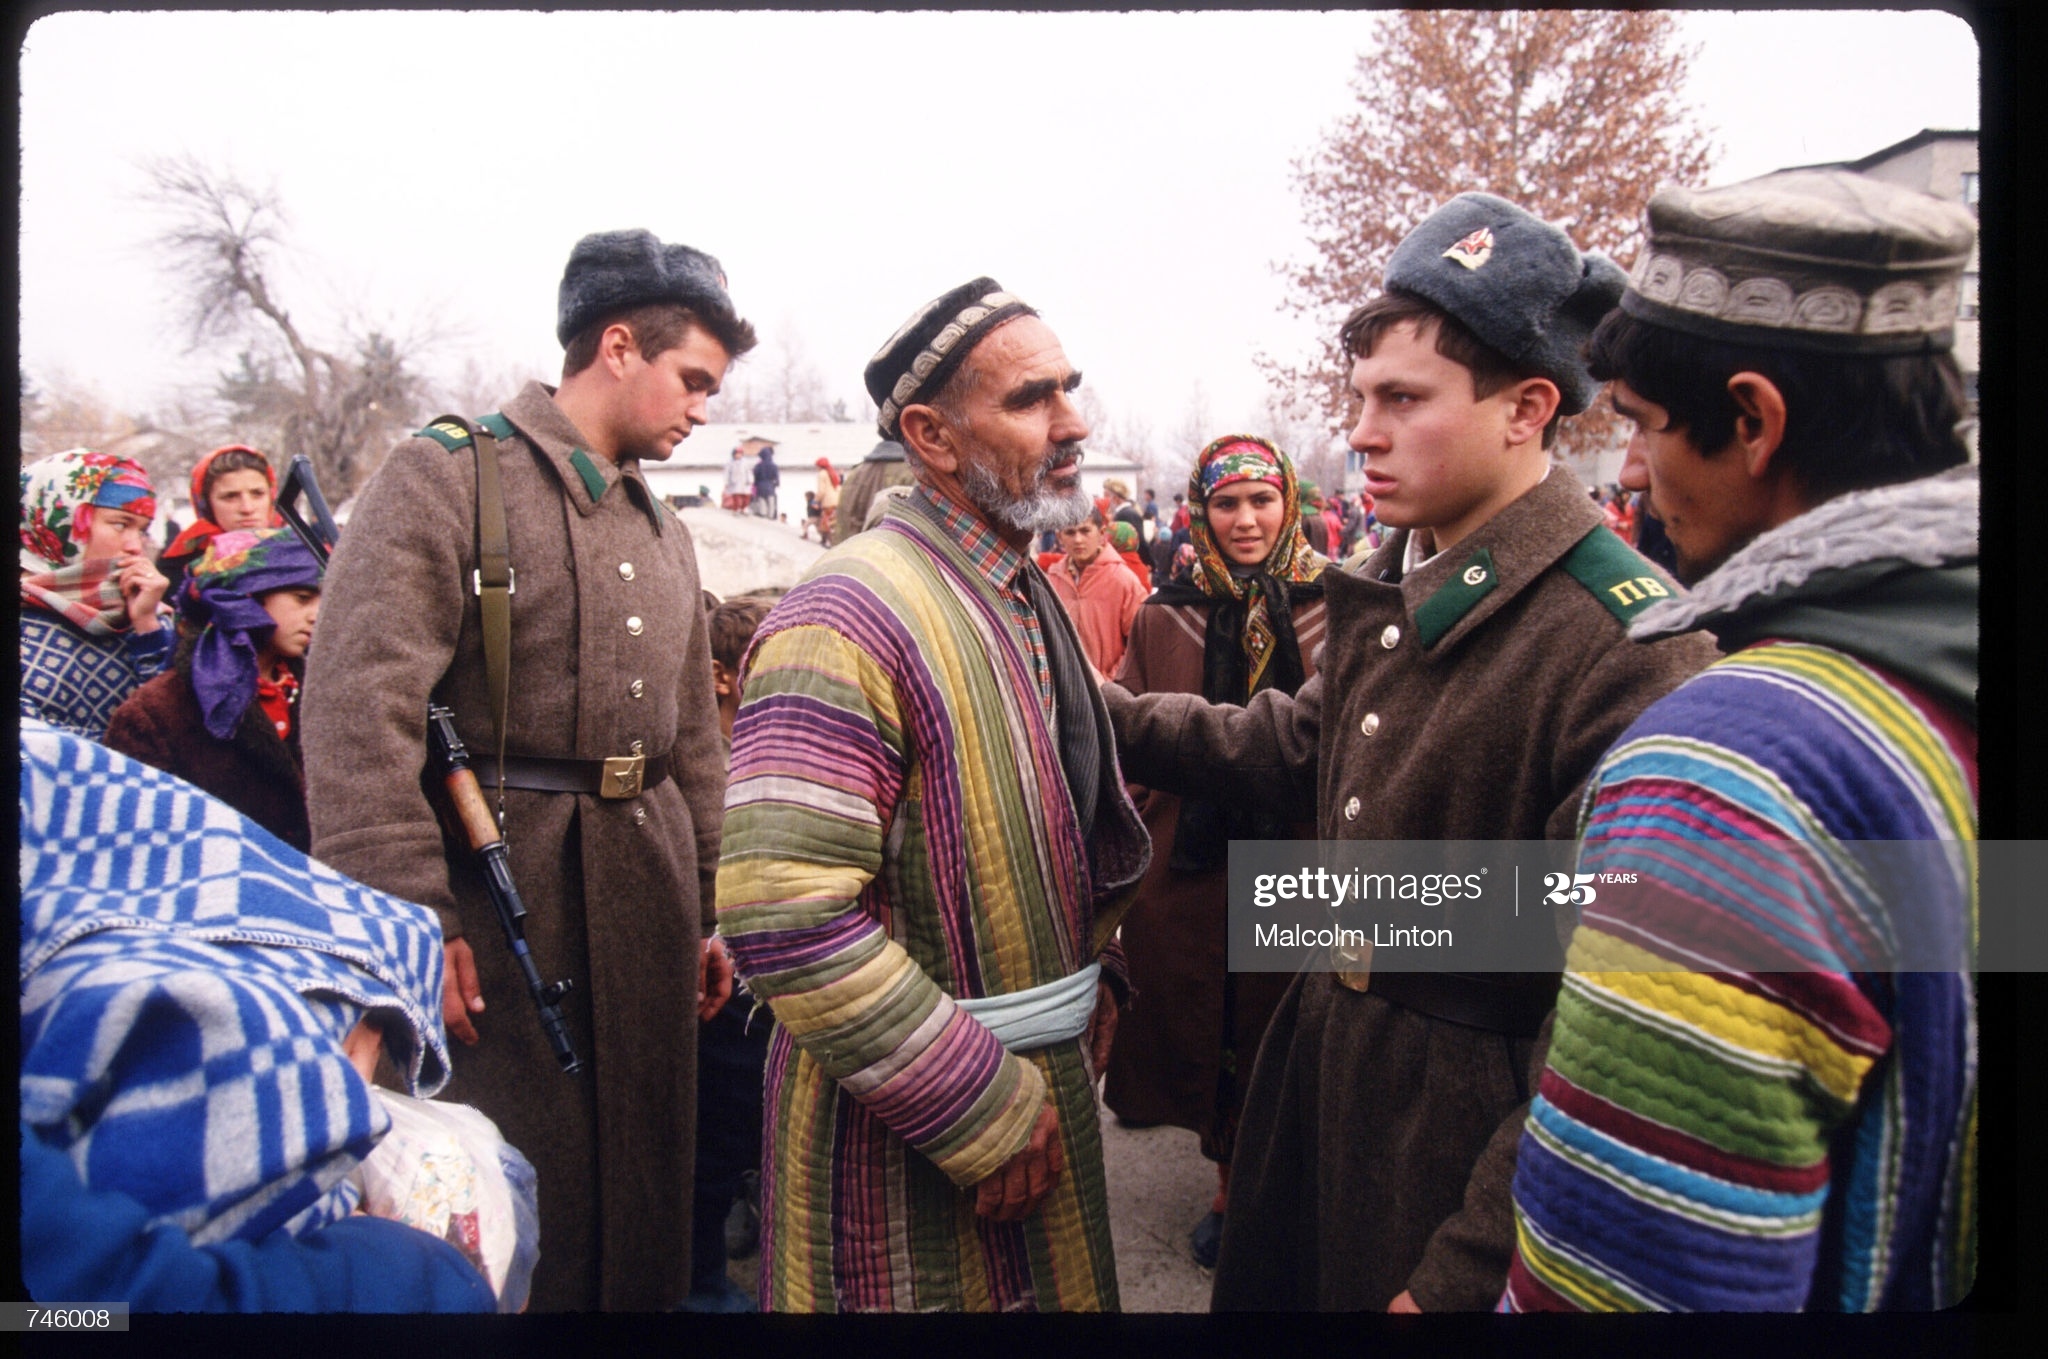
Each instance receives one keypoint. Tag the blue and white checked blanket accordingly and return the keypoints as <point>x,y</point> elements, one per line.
<point>186,981</point>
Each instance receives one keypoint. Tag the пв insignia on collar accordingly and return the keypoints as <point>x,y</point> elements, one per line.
<point>1475,250</point>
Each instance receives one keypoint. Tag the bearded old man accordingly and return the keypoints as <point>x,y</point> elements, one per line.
<point>927,846</point>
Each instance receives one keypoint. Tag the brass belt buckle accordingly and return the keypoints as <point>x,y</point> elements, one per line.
<point>622,775</point>
<point>1353,966</point>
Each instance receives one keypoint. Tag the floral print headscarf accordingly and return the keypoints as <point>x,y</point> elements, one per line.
<point>59,495</point>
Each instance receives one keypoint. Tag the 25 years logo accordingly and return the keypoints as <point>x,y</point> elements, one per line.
<point>1569,889</point>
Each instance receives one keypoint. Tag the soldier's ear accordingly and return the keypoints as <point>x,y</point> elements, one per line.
<point>614,345</point>
<point>930,437</point>
<point>1534,400</point>
<point>1759,420</point>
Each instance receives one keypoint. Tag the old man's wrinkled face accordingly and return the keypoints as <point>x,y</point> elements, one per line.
<point>1022,465</point>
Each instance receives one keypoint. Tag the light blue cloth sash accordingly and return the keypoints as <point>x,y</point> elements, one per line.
<point>1041,1015</point>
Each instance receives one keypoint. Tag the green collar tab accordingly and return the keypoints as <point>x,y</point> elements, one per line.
<point>496,425</point>
<point>1454,599</point>
<point>1616,574</point>
<point>593,480</point>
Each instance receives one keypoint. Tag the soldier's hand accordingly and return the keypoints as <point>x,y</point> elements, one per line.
<point>1021,1183</point>
<point>461,996</point>
<point>714,980</point>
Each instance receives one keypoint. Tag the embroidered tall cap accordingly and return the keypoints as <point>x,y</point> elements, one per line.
<point>925,350</point>
<point>1515,281</point>
<point>609,271</point>
<point>1824,260</point>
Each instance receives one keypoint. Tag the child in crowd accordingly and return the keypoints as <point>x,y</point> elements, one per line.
<point>732,1052</point>
<point>223,716</point>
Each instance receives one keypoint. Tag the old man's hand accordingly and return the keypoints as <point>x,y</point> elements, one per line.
<point>1016,1189</point>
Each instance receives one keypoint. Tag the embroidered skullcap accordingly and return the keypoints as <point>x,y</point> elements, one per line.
<point>1516,282</point>
<point>609,271</point>
<point>1824,260</point>
<point>925,350</point>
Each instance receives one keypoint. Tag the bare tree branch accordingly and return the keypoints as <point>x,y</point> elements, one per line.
<point>339,406</point>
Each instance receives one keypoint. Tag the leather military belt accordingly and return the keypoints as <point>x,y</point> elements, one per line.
<point>619,776</point>
<point>1511,1003</point>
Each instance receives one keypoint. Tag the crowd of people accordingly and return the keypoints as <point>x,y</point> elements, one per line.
<point>820,924</point>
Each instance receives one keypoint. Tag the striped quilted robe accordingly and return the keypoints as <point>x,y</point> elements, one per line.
<point>1713,1133</point>
<point>899,834</point>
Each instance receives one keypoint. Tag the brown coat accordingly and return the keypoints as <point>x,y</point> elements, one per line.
<point>609,648</point>
<point>1378,1142</point>
<point>254,771</point>
<point>1170,1045</point>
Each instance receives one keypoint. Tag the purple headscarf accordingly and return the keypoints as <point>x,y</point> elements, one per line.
<point>219,595</point>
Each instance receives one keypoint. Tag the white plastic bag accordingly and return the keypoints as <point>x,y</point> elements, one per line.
<point>445,1170</point>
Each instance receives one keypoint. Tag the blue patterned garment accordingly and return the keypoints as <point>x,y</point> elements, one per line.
<point>75,681</point>
<point>186,983</point>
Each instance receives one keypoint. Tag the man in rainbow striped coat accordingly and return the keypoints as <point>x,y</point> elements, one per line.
<point>927,844</point>
<point>1761,1091</point>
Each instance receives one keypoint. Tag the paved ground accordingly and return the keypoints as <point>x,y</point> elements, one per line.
<point>1159,1187</point>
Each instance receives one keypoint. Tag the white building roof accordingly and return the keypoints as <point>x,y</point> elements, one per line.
<point>700,460</point>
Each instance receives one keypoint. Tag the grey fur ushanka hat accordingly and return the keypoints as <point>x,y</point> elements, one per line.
<point>1516,282</point>
<point>609,271</point>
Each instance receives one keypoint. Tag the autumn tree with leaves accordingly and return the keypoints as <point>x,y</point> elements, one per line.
<point>342,404</point>
<point>1575,116</point>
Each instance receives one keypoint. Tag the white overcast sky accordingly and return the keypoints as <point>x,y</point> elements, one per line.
<point>1126,173</point>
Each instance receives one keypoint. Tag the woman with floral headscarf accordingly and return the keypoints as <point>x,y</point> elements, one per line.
<point>223,717</point>
<point>1247,618</point>
<point>233,487</point>
<point>91,630</point>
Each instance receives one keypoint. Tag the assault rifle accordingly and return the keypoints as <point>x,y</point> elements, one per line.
<point>474,817</point>
<point>322,533</point>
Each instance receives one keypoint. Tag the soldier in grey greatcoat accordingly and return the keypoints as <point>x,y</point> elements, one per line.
<point>1477,665</point>
<point>614,774</point>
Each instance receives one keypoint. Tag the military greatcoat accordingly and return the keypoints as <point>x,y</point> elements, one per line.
<point>1468,699</point>
<point>610,656</point>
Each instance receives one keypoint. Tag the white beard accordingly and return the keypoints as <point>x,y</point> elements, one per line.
<point>1041,509</point>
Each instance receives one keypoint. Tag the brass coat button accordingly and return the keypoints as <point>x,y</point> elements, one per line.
<point>1351,810</point>
<point>634,625</point>
<point>1370,723</point>
<point>625,570</point>
<point>639,816</point>
<point>637,688</point>
<point>1391,638</point>
<point>637,748</point>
